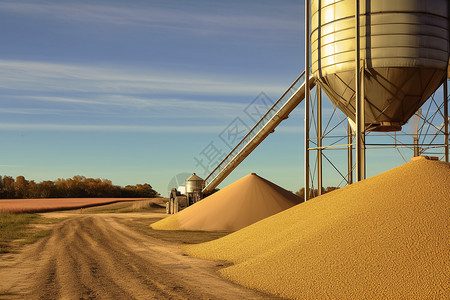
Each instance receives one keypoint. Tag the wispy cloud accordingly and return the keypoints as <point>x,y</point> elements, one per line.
<point>126,106</point>
<point>142,102</point>
<point>185,17</point>
<point>128,128</point>
<point>107,128</point>
<point>30,111</point>
<point>52,77</point>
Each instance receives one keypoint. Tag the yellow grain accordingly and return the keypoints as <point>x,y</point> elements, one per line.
<point>244,202</point>
<point>384,237</point>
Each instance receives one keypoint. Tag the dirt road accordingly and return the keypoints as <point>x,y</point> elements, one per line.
<point>96,257</point>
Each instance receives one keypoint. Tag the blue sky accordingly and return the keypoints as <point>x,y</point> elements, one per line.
<point>134,91</point>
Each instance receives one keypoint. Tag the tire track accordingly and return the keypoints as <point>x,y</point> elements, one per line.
<point>96,257</point>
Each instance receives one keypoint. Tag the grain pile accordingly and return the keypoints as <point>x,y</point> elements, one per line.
<point>244,202</point>
<point>384,237</point>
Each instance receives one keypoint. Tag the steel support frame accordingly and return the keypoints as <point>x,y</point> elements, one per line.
<point>359,98</point>
<point>307,98</point>
<point>360,108</point>
<point>446,98</point>
<point>322,136</point>
<point>355,139</point>
<point>319,141</point>
<point>349,153</point>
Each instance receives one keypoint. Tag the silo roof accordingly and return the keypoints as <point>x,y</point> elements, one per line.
<point>194,177</point>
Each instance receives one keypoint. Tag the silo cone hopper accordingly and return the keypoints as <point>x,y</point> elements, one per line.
<point>404,51</point>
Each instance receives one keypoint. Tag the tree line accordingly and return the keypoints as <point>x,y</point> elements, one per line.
<point>76,187</point>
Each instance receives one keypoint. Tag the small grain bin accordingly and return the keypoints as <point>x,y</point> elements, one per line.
<point>192,193</point>
<point>194,184</point>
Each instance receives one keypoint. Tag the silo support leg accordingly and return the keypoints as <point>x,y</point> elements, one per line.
<point>446,119</point>
<point>359,97</point>
<point>319,141</point>
<point>362,134</point>
<point>349,154</point>
<point>306,149</point>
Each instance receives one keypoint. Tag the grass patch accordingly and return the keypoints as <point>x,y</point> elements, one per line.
<point>15,227</point>
<point>175,236</point>
<point>119,207</point>
<point>33,237</point>
<point>126,207</point>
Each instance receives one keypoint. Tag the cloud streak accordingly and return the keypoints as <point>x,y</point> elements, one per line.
<point>30,111</point>
<point>141,102</point>
<point>52,77</point>
<point>107,128</point>
<point>183,17</point>
<point>125,106</point>
<point>82,91</point>
<point>46,127</point>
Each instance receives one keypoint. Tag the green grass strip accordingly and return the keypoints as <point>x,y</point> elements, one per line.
<point>17,227</point>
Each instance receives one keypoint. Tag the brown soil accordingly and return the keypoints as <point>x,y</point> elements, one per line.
<point>96,256</point>
<point>53,204</point>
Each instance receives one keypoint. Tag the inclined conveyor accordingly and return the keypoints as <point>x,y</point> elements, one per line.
<point>279,111</point>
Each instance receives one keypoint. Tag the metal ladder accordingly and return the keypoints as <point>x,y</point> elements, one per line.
<point>279,111</point>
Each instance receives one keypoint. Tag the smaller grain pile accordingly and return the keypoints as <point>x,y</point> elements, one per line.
<point>382,238</point>
<point>244,202</point>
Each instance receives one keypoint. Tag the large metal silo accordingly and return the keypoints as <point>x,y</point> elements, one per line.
<point>404,50</point>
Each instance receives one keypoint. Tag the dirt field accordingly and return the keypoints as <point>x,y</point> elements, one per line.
<point>106,256</point>
<point>43,205</point>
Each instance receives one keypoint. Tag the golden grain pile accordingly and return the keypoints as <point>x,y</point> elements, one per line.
<point>244,202</point>
<point>384,237</point>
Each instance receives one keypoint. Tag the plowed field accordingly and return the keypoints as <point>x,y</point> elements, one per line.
<point>52,204</point>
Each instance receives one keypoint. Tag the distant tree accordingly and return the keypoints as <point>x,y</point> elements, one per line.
<point>2,188</point>
<point>33,190</point>
<point>8,187</point>
<point>71,187</point>
<point>20,187</point>
<point>76,187</point>
<point>330,189</point>
<point>146,190</point>
<point>301,193</point>
<point>314,192</point>
<point>139,191</point>
<point>47,189</point>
